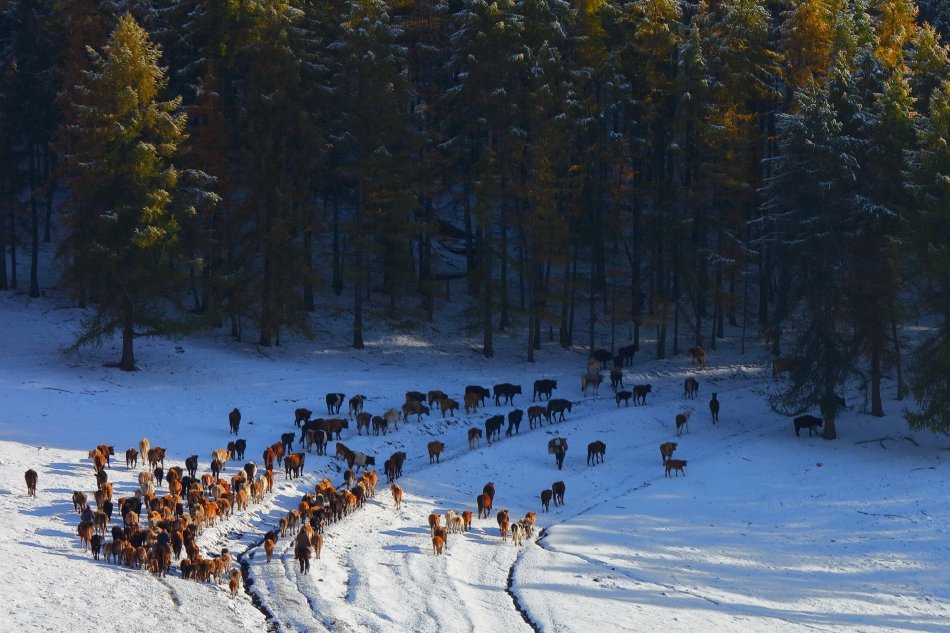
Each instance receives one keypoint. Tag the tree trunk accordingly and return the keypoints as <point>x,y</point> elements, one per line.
<point>308,301</point>
<point>34,232</point>
<point>830,432</point>
<point>128,335</point>
<point>877,408</point>
<point>337,250</point>
<point>504,320</point>
<point>901,388</point>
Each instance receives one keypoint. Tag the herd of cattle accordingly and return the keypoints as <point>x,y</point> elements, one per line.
<point>192,502</point>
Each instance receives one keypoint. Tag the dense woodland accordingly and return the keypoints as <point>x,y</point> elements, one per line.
<point>651,168</point>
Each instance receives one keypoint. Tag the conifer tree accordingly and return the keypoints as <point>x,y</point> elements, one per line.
<point>124,217</point>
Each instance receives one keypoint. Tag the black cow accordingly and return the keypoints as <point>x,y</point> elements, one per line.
<point>555,407</point>
<point>543,386</point>
<point>493,427</point>
<point>239,447</point>
<point>234,421</point>
<point>334,402</point>
<point>624,356</point>
<point>514,421</point>
<point>809,422</point>
<point>507,390</point>
<point>623,395</point>
<point>714,408</point>
<point>287,439</point>
<point>640,393</point>
<point>415,396</point>
<point>616,378</point>
<point>603,355</point>
<point>483,392</point>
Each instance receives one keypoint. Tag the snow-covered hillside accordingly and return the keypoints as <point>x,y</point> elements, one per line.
<point>766,532</point>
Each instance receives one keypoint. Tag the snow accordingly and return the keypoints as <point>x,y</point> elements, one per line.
<point>766,532</point>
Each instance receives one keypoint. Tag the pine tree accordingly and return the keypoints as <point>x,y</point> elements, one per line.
<point>124,217</point>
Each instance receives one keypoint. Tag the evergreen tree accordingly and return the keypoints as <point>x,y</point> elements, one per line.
<point>124,218</point>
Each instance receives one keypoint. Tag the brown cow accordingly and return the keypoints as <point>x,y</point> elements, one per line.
<point>301,415</point>
<point>595,451</point>
<point>269,548</point>
<point>433,522</point>
<point>677,465</point>
<point>107,451</point>
<point>536,414</point>
<point>546,495</point>
<point>436,396</point>
<point>414,408</point>
<point>437,544</point>
<point>483,501</point>
<point>690,387</point>
<point>131,458</point>
<point>234,421</point>
<point>156,456</point>
<point>79,500</point>
<point>397,495</point>
<point>474,437</point>
<point>682,421</point>
<point>698,354</point>
<point>471,401</point>
<point>363,420</point>
<point>435,451</point>
<point>31,478</point>
<point>448,404</point>
<point>234,581</point>
<point>317,542</point>
<point>467,520</point>
<point>558,488</point>
<point>269,457</point>
<point>666,450</point>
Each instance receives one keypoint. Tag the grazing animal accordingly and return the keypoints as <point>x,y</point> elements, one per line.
<point>269,548</point>
<point>625,396</point>
<point>782,364</point>
<point>79,499</point>
<point>514,421</point>
<point>535,414</point>
<point>624,356</point>
<point>483,502</point>
<point>302,554</point>
<point>363,421</point>
<point>616,379</point>
<point>317,542</point>
<point>301,415</point>
<point>682,421</point>
<point>666,450</point>
<point>467,520</point>
<point>714,408</point>
<point>397,495</point>
<point>234,581</point>
<point>414,408</point>
<point>809,422</point>
<point>287,439</point>
<point>640,393</point>
<point>433,522</point>
<point>239,447</point>
<point>543,387</point>
<point>555,407</point>
<point>361,460</point>
<point>448,404</point>
<point>546,495</point>
<point>356,405</point>
<point>131,458</point>
<point>690,387</point>
<point>392,417</point>
<point>558,446</point>
<point>503,528</point>
<point>602,355</point>
<point>675,465</point>
<point>234,421</point>
<point>698,354</point>
<point>517,533</point>
<point>31,476</point>
<point>156,456</point>
<point>489,489</point>
<point>380,425</point>
<point>334,402</point>
<point>415,396</point>
<point>144,448</point>
<point>107,452</point>
<point>438,543</point>
<point>558,489</point>
<point>191,465</point>
<point>506,390</point>
<point>435,396</point>
<point>591,380</point>
<point>595,451</point>
<point>493,427</point>
<point>471,401</point>
<point>483,392</point>
<point>474,438</point>
<point>435,450</point>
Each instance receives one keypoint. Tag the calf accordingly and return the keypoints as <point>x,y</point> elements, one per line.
<point>474,438</point>
<point>363,420</point>
<point>682,422</point>
<point>640,393</point>
<point>543,387</point>
<point>356,405</point>
<point>675,465</point>
<point>546,499</point>
<point>436,396</point>
<point>623,395</point>
<point>514,421</point>
<point>690,387</point>
<point>435,450</point>
<point>131,458</point>
<point>506,390</point>
<point>616,379</point>
<point>380,425</point>
<point>535,414</point>
<point>595,452</point>
<point>471,402</point>
<point>809,422</point>
<point>397,495</point>
<point>493,427</point>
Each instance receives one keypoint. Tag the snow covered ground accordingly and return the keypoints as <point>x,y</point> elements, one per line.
<point>766,532</point>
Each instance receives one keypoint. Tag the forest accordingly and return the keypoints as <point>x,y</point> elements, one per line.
<point>653,168</point>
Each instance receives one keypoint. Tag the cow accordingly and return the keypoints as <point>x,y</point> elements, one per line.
<point>493,427</point>
<point>234,421</point>
<point>437,544</point>
<point>397,495</point>
<point>466,520</point>
<point>624,356</point>
<point>483,502</point>
<point>591,380</point>
<point>682,421</point>
<point>558,447</point>
<point>301,415</point>
<point>398,458</point>
<point>379,425</point>
<point>448,404</point>
<point>31,477</point>
<point>675,465</point>
<point>481,392</point>
<point>506,390</point>
<point>234,581</point>
<point>542,387</point>
<point>514,421</point>
<point>666,450</point>
<point>131,458</point>
<point>558,488</point>
<point>144,447</point>
<point>107,452</point>
<point>623,395</point>
<point>471,401</point>
<point>640,393</point>
<point>360,460</point>
<point>156,456</point>
<point>435,396</point>
<point>616,379</point>
<point>80,499</point>
<point>356,405</point>
<point>414,408</point>
<point>363,421</point>
<point>690,387</point>
<point>714,408</point>
<point>240,446</point>
<point>392,417</point>
<point>415,396</point>
<point>302,554</point>
<point>293,465</point>
<point>287,439</point>
<point>555,407</point>
<point>435,451</point>
<point>809,422</point>
<point>595,451</point>
<point>334,402</point>
<point>698,354</point>
<point>535,414</point>
<point>343,452</point>
<point>474,438</point>
<point>546,495</point>
<point>191,465</point>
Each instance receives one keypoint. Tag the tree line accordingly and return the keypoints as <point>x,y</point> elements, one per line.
<point>661,168</point>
